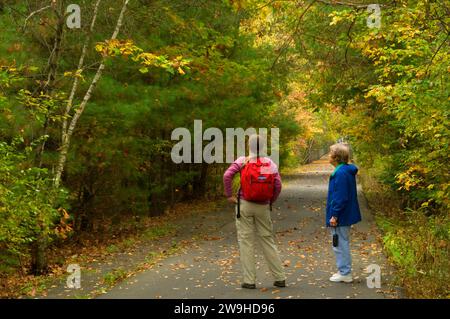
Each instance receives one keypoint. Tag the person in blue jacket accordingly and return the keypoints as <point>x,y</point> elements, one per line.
<point>342,208</point>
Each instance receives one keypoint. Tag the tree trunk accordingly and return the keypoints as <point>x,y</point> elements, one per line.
<point>76,80</point>
<point>39,247</point>
<point>39,257</point>
<point>67,135</point>
<point>200,181</point>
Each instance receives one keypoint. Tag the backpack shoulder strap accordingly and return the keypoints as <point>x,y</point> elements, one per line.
<point>246,160</point>
<point>240,187</point>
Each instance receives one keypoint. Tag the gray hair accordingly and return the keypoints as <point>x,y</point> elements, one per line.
<point>340,152</point>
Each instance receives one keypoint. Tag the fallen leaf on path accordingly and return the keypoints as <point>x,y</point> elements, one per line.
<point>206,237</point>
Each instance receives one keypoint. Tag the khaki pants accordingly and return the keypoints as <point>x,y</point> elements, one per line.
<point>257,217</point>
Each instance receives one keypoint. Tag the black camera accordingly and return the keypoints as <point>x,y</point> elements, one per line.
<point>335,238</point>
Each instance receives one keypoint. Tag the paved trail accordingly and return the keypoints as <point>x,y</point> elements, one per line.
<point>211,269</point>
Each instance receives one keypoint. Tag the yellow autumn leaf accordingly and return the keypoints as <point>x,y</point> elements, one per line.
<point>99,48</point>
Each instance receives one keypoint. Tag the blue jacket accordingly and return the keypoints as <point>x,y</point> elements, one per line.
<point>342,200</point>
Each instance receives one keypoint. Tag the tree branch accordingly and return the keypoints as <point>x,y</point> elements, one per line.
<point>291,37</point>
<point>34,13</point>
<point>435,53</point>
<point>350,38</point>
<point>347,4</point>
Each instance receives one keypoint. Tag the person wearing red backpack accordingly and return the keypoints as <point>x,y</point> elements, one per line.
<point>260,187</point>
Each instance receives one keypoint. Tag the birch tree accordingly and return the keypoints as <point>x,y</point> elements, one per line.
<point>69,126</point>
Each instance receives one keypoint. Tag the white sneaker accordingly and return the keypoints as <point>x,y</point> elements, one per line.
<point>337,277</point>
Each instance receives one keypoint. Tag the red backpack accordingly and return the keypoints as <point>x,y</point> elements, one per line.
<point>256,186</point>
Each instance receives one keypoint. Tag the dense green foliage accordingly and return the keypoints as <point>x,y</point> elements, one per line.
<point>27,200</point>
<point>177,62</point>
